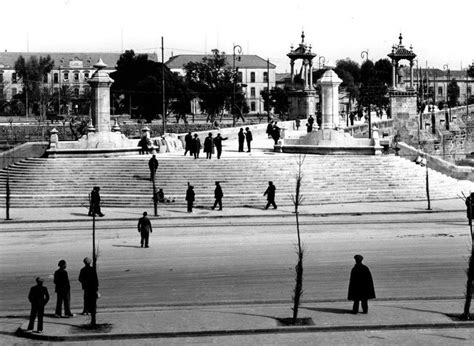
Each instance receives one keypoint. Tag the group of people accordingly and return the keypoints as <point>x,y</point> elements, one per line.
<point>273,131</point>
<point>39,295</point>
<point>245,137</point>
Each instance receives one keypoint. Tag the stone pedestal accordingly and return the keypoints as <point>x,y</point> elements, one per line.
<point>329,83</point>
<point>100,83</point>
<point>404,115</point>
<point>302,103</point>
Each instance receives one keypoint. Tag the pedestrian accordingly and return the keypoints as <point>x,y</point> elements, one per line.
<point>196,146</point>
<point>241,136</point>
<point>63,290</point>
<point>153,165</point>
<point>270,193</point>
<point>248,138</point>
<point>38,298</point>
<point>218,144</point>
<point>270,129</point>
<point>90,285</point>
<point>361,286</point>
<point>188,144</point>
<point>310,123</point>
<point>190,197</point>
<point>144,228</point>
<point>94,207</point>
<point>143,144</point>
<point>209,146</point>
<point>297,124</point>
<point>470,207</point>
<point>218,194</point>
<point>275,133</point>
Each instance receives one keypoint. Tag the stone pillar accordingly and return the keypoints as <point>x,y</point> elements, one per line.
<point>311,74</point>
<point>100,84</point>
<point>292,65</point>
<point>394,74</point>
<point>329,83</point>
<point>411,74</point>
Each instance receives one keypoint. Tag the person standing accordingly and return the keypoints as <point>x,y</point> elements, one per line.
<point>270,193</point>
<point>270,129</point>
<point>196,146</point>
<point>209,146</point>
<point>361,286</point>
<point>153,165</point>
<point>95,202</point>
<point>248,138</point>
<point>218,194</point>
<point>63,290</point>
<point>275,133</point>
<point>90,285</point>
<point>190,197</point>
<point>310,123</point>
<point>218,144</point>
<point>38,298</point>
<point>188,144</point>
<point>144,228</point>
<point>470,207</point>
<point>241,136</point>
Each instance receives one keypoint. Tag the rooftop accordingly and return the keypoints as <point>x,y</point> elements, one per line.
<point>241,61</point>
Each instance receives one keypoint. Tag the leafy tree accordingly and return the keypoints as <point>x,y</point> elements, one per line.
<point>349,72</point>
<point>374,82</point>
<point>453,93</point>
<point>276,98</point>
<point>213,80</point>
<point>182,98</point>
<point>470,71</point>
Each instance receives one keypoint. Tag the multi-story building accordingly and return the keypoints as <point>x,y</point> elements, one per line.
<point>255,73</point>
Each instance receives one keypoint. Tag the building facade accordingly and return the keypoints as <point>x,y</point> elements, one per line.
<point>255,73</point>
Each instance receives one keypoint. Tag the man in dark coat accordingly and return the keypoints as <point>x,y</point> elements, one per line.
<point>153,165</point>
<point>470,207</point>
<point>361,286</point>
<point>241,136</point>
<point>144,228</point>
<point>270,193</point>
<point>218,144</point>
<point>218,194</point>
<point>190,197</point>
<point>90,285</point>
<point>310,123</point>
<point>95,202</point>
<point>248,138</point>
<point>63,290</point>
<point>38,298</point>
<point>196,146</point>
<point>275,133</point>
<point>209,146</point>
<point>188,144</point>
<point>270,129</point>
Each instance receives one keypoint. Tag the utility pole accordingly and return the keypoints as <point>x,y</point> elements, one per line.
<point>163,84</point>
<point>7,201</point>
<point>234,73</point>
<point>268,90</point>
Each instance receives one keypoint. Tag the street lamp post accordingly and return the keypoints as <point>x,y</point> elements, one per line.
<point>446,67</point>
<point>235,48</point>
<point>365,54</point>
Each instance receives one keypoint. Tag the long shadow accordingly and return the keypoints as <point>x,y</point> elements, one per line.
<point>137,177</point>
<point>241,313</point>
<point>80,214</point>
<point>414,309</point>
<point>330,310</point>
<point>135,246</point>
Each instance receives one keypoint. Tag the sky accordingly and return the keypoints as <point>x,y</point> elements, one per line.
<point>441,33</point>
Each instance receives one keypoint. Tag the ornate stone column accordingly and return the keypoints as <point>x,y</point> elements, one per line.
<point>394,74</point>
<point>100,84</point>
<point>411,74</point>
<point>329,83</point>
<point>292,65</point>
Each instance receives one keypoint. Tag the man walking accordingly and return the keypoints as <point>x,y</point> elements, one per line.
<point>270,193</point>
<point>90,285</point>
<point>248,138</point>
<point>94,207</point>
<point>63,290</point>
<point>209,146</point>
<point>190,197</point>
<point>144,228</point>
<point>218,144</point>
<point>188,144</point>
<point>153,165</point>
<point>361,286</point>
<point>218,194</point>
<point>38,298</point>
<point>196,146</point>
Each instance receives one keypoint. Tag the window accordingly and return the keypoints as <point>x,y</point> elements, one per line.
<point>86,75</point>
<point>239,77</point>
<point>265,77</point>
<point>252,106</point>
<point>252,77</point>
<point>66,76</point>
<point>13,77</point>
<point>56,78</point>
<point>440,90</point>
<point>76,76</point>
<point>252,92</point>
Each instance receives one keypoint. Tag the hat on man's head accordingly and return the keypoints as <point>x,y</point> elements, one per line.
<point>61,263</point>
<point>358,258</point>
<point>87,260</point>
<point>38,280</point>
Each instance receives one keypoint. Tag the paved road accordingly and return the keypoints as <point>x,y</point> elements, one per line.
<point>241,260</point>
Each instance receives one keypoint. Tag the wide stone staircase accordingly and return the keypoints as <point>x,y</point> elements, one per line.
<point>124,181</point>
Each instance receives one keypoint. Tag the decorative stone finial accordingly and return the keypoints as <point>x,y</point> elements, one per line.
<point>302,36</point>
<point>400,38</point>
<point>100,64</point>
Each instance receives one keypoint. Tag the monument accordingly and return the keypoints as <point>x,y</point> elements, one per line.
<point>302,94</point>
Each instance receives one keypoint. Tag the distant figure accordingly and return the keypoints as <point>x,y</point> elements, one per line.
<point>196,146</point>
<point>63,290</point>
<point>241,136</point>
<point>218,144</point>
<point>248,138</point>
<point>144,228</point>
<point>209,146</point>
<point>361,286</point>
<point>275,133</point>
<point>190,197</point>
<point>470,208</point>
<point>297,124</point>
<point>162,198</point>
<point>143,144</point>
<point>38,298</point>
<point>218,194</point>
<point>90,285</point>
<point>94,207</point>
<point>153,165</point>
<point>270,193</point>
<point>188,144</point>
<point>310,123</point>
<point>270,129</point>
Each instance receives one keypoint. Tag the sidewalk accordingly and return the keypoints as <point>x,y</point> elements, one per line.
<point>170,212</point>
<point>194,321</point>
